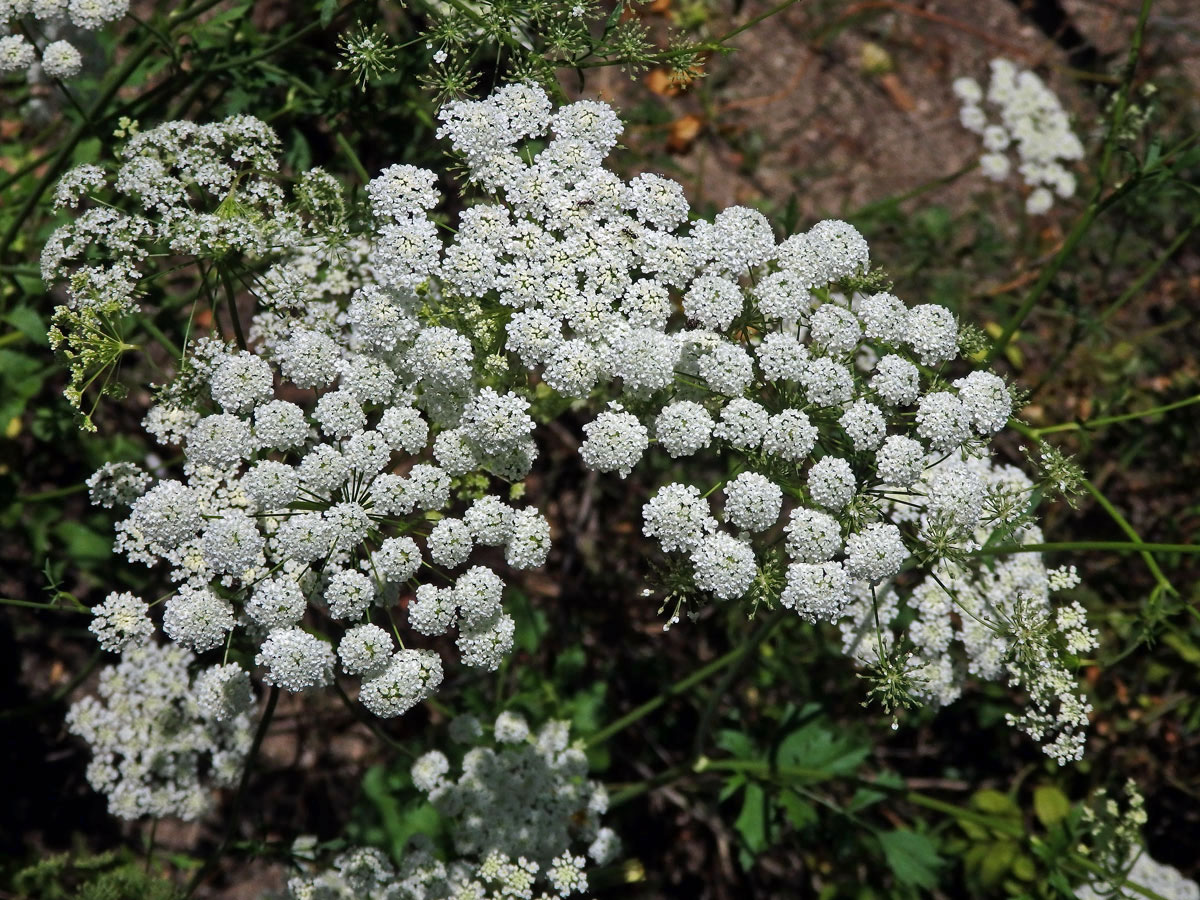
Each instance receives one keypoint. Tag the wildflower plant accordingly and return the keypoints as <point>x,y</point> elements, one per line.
<point>347,461</point>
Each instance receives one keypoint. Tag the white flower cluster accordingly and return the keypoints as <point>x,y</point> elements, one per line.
<point>1030,123</point>
<point>162,740</point>
<point>182,188</point>
<point>830,399</point>
<point>991,622</point>
<point>292,513</point>
<point>56,58</point>
<point>515,813</point>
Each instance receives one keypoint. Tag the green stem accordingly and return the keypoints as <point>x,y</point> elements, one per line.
<point>30,604</point>
<point>920,189</point>
<point>362,716</point>
<point>674,690</point>
<point>52,494</point>
<point>231,821</point>
<point>1113,546</point>
<point>1145,549</point>
<point>231,302</point>
<point>1112,420</point>
<point>157,333</point>
<point>355,162</point>
<point>1122,104</point>
<point>1094,207</point>
<point>722,687</point>
<point>1142,280</point>
<point>1124,525</point>
<point>280,44</point>
<point>773,11</point>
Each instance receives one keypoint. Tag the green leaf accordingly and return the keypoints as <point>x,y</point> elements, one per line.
<point>751,822</point>
<point>912,857</point>
<point>996,803</point>
<point>736,742</point>
<point>26,320</point>
<point>816,747</point>
<point>868,796</point>
<point>1187,651</point>
<point>731,787</point>
<point>86,151</point>
<point>399,824</point>
<point>996,862</point>
<point>1050,805</point>
<point>799,811</point>
<point>1024,868</point>
<point>82,543</point>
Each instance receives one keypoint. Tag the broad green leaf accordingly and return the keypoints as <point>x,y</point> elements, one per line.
<point>736,742</point>
<point>816,747</point>
<point>1050,805</point>
<point>82,543</point>
<point>996,862</point>
<point>799,811</point>
<point>27,321</point>
<point>912,857</point>
<point>1023,868</point>
<point>751,822</point>
<point>996,803</point>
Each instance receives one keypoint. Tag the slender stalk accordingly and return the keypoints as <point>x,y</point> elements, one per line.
<point>280,44</point>
<point>31,604</point>
<point>920,189</point>
<point>1124,525</point>
<point>231,821</point>
<point>674,690</point>
<point>365,719</point>
<point>54,494</point>
<point>231,302</point>
<point>1111,546</point>
<point>1096,205</point>
<point>722,687</point>
<point>1142,280</point>
<point>157,333</point>
<point>355,162</point>
<point>1145,549</point>
<point>773,11</point>
<point>1090,424</point>
<point>715,45</point>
